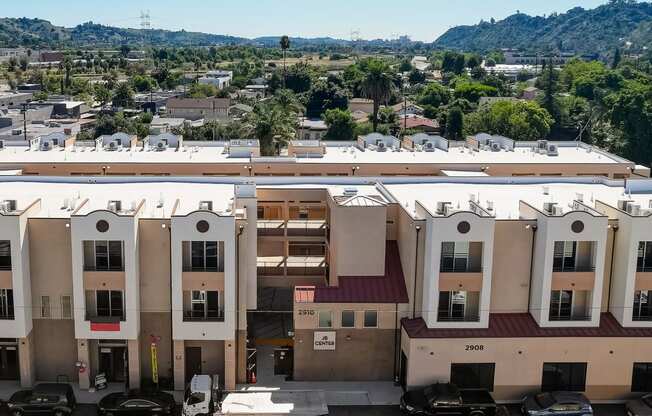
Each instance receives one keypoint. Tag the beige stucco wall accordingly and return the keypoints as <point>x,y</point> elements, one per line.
<point>519,362</point>
<point>55,348</point>
<point>357,241</point>
<point>511,267</point>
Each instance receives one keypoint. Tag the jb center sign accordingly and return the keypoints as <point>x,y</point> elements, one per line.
<point>324,341</point>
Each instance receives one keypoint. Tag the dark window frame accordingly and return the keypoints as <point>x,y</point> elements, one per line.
<point>484,374</point>
<point>643,370</point>
<point>570,377</point>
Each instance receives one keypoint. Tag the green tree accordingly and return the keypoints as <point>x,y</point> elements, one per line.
<point>324,96</point>
<point>455,124</point>
<point>435,95</point>
<point>616,60</point>
<point>285,45</point>
<point>272,126</point>
<point>123,96</point>
<point>102,94</point>
<point>519,120</point>
<point>416,77</point>
<point>376,86</point>
<point>341,125</point>
<point>472,91</point>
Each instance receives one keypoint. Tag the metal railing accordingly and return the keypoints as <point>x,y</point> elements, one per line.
<point>573,269</point>
<point>188,317</point>
<point>571,318</point>
<point>466,318</point>
<point>105,319</point>
<point>292,228</point>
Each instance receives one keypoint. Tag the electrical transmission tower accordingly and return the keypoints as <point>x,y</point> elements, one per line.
<point>145,20</point>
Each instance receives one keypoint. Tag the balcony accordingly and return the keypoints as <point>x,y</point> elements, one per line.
<point>570,306</point>
<point>458,306</point>
<point>188,316</point>
<point>302,270</point>
<point>292,228</point>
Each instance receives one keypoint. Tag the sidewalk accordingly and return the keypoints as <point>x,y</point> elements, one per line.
<point>337,393</point>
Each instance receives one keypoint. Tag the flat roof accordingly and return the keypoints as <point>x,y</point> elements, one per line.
<point>505,197</point>
<point>62,200</point>
<point>345,153</point>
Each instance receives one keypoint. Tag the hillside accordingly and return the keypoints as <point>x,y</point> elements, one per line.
<point>598,30</point>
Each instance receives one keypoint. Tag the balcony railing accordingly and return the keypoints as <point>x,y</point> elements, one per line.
<point>9,317</point>
<point>573,269</point>
<point>292,228</point>
<point>470,269</point>
<point>104,319</point>
<point>189,317</point>
<point>292,266</point>
<point>572,318</point>
<point>639,269</point>
<point>467,318</point>
<point>104,269</point>
<point>642,318</point>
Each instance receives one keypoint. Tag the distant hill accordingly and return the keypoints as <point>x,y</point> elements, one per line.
<point>598,30</point>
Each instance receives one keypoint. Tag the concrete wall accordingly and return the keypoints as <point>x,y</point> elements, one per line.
<point>55,349</point>
<point>360,355</point>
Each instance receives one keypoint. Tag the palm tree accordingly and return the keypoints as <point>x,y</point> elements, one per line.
<point>272,126</point>
<point>285,45</point>
<point>376,86</point>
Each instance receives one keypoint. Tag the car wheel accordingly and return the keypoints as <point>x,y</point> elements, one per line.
<point>16,413</point>
<point>477,413</point>
<point>60,413</point>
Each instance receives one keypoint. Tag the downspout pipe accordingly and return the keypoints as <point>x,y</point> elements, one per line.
<point>416,269</point>
<point>534,229</point>
<point>611,266</point>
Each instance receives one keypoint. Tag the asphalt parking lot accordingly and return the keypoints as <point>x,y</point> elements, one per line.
<point>600,410</point>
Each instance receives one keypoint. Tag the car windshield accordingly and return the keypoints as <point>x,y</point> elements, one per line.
<point>647,400</point>
<point>544,400</point>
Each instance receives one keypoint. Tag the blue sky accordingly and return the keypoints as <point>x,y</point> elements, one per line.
<point>421,19</point>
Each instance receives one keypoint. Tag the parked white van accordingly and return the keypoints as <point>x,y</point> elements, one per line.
<point>201,396</point>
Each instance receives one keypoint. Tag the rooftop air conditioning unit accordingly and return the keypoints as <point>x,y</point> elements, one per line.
<point>161,145</point>
<point>206,205</point>
<point>622,204</point>
<point>442,207</point>
<point>381,146</point>
<point>16,132</point>
<point>429,147</point>
<point>2,144</point>
<point>557,210</point>
<point>634,209</point>
<point>542,144</point>
<point>113,145</point>
<point>552,150</point>
<point>549,207</point>
<point>115,206</point>
<point>46,146</point>
<point>579,197</point>
<point>495,147</point>
<point>8,205</point>
<point>350,191</point>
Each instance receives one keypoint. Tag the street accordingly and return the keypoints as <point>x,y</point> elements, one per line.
<point>600,410</point>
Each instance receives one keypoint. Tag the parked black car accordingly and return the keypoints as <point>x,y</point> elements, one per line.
<point>137,403</point>
<point>555,403</point>
<point>640,407</point>
<point>447,399</point>
<point>55,398</point>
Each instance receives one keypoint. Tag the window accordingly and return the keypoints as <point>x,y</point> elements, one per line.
<point>370,319</point>
<point>564,256</point>
<point>325,319</point>
<point>66,307</point>
<point>6,304</point>
<point>641,309</point>
<point>455,256</point>
<point>564,377</point>
<point>45,307</point>
<point>642,378</point>
<point>348,319</point>
<point>452,306</point>
<point>561,305</point>
<point>108,303</point>
<point>204,256</point>
<point>5,255</point>
<point>473,376</point>
<point>103,256</point>
<point>205,305</point>
<point>644,259</point>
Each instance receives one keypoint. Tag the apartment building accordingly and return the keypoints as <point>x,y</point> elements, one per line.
<point>514,284</point>
<point>199,108</point>
<point>374,155</point>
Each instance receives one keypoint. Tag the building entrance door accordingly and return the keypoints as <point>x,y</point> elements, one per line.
<point>9,362</point>
<point>113,363</point>
<point>193,362</point>
<point>283,362</point>
<point>403,373</point>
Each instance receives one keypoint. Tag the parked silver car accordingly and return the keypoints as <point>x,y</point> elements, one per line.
<point>556,403</point>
